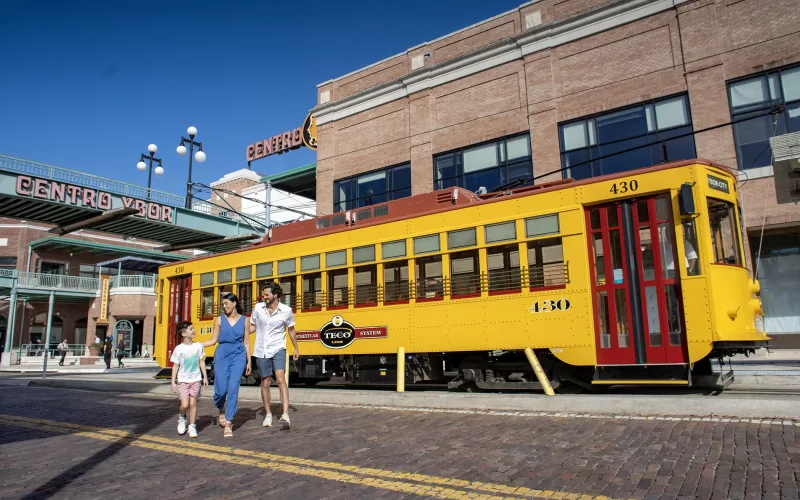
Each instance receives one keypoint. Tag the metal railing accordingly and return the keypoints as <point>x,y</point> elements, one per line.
<point>58,282</point>
<point>133,281</point>
<point>8,273</point>
<point>59,174</point>
<point>30,350</point>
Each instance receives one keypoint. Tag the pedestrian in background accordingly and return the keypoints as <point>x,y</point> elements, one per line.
<point>120,354</point>
<point>107,347</point>
<point>62,348</point>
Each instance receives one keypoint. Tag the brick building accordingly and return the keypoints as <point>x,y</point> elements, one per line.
<point>74,264</point>
<point>557,84</point>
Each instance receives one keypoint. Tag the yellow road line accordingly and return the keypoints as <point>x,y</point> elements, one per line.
<point>214,451</point>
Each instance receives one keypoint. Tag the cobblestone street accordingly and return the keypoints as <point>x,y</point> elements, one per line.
<point>77,444</point>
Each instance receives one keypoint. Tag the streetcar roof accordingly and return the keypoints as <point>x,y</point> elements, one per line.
<point>442,200</point>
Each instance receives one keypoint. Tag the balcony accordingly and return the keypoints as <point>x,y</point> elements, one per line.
<point>143,282</point>
<point>33,283</point>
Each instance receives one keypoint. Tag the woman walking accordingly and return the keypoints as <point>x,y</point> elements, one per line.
<point>107,347</point>
<point>231,359</point>
<point>120,355</point>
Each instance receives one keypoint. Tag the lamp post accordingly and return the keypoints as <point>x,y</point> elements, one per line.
<point>200,156</point>
<point>152,158</point>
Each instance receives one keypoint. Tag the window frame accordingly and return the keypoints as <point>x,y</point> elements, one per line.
<point>391,191</point>
<point>595,163</point>
<point>736,232</point>
<point>502,164</point>
<point>784,118</point>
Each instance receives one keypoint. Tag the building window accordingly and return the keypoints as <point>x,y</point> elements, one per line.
<point>753,98</point>
<point>489,165</point>
<point>652,128</point>
<point>391,183</point>
<point>10,263</point>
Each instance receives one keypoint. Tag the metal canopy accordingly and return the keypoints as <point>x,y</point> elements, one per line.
<point>75,247</point>
<point>301,181</point>
<point>135,264</point>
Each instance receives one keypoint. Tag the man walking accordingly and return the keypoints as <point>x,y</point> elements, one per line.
<point>270,321</point>
<point>63,347</point>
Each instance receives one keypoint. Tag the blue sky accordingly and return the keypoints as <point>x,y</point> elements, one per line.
<point>87,85</point>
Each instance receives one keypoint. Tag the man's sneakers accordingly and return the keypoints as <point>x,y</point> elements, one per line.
<point>192,431</point>
<point>267,421</point>
<point>181,424</point>
<point>285,421</point>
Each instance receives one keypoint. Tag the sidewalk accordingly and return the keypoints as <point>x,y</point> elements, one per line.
<point>742,402</point>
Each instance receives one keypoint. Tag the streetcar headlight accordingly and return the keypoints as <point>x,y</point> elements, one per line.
<point>755,287</point>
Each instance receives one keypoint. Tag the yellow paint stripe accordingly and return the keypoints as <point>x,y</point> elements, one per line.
<point>385,474</point>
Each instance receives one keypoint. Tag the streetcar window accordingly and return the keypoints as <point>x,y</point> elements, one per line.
<point>426,244</point>
<point>309,263</point>
<point>366,285</point>
<point>337,288</point>
<point>364,254</point>
<point>540,226</point>
<point>245,293</point>
<point>465,275</point>
<point>264,270</point>
<point>724,232</point>
<point>462,238</point>
<point>224,276</point>
<point>428,271</point>
<point>288,286</point>
<point>506,231</point>
<point>287,266</point>
<point>206,279</point>
<point>312,291</point>
<point>503,266</point>
<point>333,259</point>
<point>207,303</point>
<point>244,273</point>
<point>690,248</point>
<point>393,250</point>
<point>395,281</point>
<point>546,263</point>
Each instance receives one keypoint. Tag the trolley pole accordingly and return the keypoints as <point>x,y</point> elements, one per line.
<point>401,369</point>
<point>537,369</point>
<point>47,335</point>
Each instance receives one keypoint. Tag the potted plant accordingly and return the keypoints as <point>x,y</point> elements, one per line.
<point>94,349</point>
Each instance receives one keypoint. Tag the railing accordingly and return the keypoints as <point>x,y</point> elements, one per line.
<point>133,281</point>
<point>58,282</point>
<point>8,273</point>
<point>30,350</point>
<point>44,171</point>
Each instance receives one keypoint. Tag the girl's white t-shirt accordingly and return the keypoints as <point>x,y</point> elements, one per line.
<point>188,358</point>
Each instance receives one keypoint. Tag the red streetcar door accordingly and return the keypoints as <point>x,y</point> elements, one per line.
<point>659,279</point>
<point>610,286</point>
<point>180,302</point>
<point>636,289</point>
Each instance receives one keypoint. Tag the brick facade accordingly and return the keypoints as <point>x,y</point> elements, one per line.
<point>694,47</point>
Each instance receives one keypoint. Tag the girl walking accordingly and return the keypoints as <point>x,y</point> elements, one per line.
<point>231,359</point>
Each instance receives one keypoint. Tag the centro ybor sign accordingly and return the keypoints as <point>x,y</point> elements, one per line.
<point>281,143</point>
<point>78,196</point>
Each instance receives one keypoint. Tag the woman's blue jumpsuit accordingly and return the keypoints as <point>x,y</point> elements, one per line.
<point>230,360</point>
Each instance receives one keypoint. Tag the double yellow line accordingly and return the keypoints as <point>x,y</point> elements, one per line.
<point>418,484</point>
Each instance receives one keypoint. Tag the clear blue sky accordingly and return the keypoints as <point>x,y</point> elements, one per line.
<point>87,85</point>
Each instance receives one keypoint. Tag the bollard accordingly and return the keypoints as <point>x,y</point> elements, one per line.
<point>401,369</point>
<point>537,369</point>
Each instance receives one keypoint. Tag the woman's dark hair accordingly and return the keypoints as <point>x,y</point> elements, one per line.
<point>233,298</point>
<point>274,287</point>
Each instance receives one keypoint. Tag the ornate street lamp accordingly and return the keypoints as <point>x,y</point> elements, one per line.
<point>200,156</point>
<point>152,158</point>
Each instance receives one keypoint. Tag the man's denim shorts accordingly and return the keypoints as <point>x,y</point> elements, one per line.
<point>268,366</point>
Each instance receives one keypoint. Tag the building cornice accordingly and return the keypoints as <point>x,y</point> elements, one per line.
<point>541,38</point>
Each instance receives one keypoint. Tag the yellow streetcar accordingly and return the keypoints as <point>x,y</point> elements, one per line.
<point>631,278</point>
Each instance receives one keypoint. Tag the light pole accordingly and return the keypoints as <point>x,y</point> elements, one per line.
<point>141,165</point>
<point>200,156</point>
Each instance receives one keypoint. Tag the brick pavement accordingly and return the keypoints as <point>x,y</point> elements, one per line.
<point>75,444</point>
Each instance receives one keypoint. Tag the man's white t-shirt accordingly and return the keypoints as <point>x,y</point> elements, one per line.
<point>271,329</point>
<point>188,358</point>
